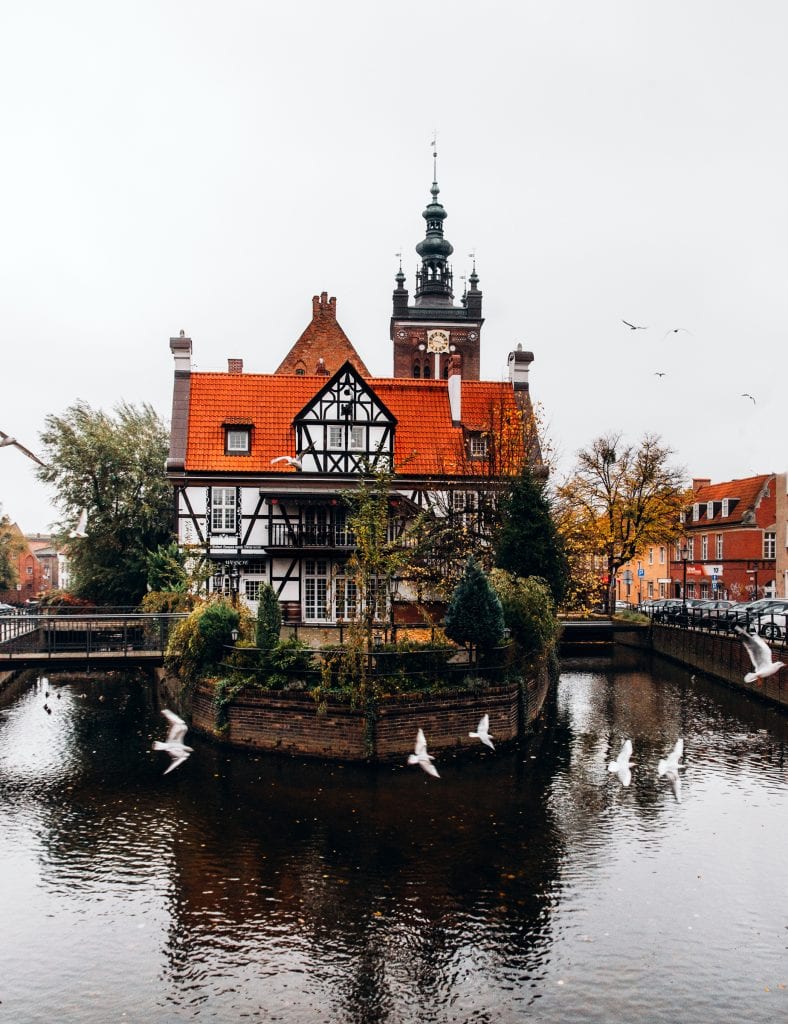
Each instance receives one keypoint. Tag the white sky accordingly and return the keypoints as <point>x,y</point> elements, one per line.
<point>211,166</point>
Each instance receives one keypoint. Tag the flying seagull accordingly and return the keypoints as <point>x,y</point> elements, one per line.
<point>421,757</point>
<point>295,463</point>
<point>634,327</point>
<point>745,394</point>
<point>174,744</point>
<point>659,373</point>
<point>80,530</point>
<point>621,765</point>
<point>675,330</point>
<point>760,655</point>
<point>483,732</point>
<point>669,767</point>
<point>7,441</point>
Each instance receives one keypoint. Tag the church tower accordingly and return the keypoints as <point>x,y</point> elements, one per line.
<point>428,332</point>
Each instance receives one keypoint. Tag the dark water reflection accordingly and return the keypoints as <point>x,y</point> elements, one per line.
<point>525,885</point>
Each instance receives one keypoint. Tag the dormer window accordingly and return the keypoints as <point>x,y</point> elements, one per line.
<point>696,512</point>
<point>478,446</point>
<point>237,440</point>
<point>709,509</point>
<point>726,507</point>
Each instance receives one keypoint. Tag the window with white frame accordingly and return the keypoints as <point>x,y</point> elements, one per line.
<point>252,589</point>
<point>704,547</point>
<point>224,510</point>
<point>709,509</point>
<point>691,548</point>
<point>316,589</point>
<point>345,597</point>
<point>769,545</point>
<point>478,445</point>
<point>690,590</point>
<point>651,556</point>
<point>464,505</point>
<point>356,438</point>
<point>237,440</point>
<point>718,546</point>
<point>696,511</point>
<point>726,507</point>
<point>677,553</point>
<point>335,436</point>
<point>662,555</point>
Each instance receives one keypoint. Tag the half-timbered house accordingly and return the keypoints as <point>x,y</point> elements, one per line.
<point>259,464</point>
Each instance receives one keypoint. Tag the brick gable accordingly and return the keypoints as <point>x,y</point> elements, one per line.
<point>323,339</point>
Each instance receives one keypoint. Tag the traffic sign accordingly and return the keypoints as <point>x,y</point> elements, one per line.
<point>641,572</point>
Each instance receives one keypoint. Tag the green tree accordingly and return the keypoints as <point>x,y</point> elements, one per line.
<point>112,466</point>
<point>474,617</point>
<point>527,542</point>
<point>625,497</point>
<point>167,568</point>
<point>269,618</point>
<point>9,549</point>
<point>528,610</point>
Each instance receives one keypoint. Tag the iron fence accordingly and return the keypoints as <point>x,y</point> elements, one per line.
<point>116,633</point>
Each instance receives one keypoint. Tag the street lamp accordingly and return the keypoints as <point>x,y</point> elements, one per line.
<point>684,557</point>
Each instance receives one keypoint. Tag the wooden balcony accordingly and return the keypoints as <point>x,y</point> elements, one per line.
<point>306,538</point>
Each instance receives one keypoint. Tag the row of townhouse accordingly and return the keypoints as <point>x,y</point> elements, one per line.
<point>733,544</point>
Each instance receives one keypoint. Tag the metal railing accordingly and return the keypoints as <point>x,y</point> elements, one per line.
<point>770,623</point>
<point>123,634</point>
<point>298,536</point>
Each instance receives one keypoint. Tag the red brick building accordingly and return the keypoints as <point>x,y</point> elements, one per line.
<point>30,573</point>
<point>730,540</point>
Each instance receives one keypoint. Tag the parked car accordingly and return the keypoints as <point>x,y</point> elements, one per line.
<point>705,614</point>
<point>668,609</point>
<point>771,622</point>
<point>746,613</point>
<point>7,609</point>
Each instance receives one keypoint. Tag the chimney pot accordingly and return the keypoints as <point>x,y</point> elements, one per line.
<point>235,366</point>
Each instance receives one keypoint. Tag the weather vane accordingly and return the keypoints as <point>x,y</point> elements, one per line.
<point>434,145</point>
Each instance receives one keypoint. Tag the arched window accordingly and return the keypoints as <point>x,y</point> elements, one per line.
<point>427,374</point>
<point>445,371</point>
<point>300,369</point>
<point>416,371</point>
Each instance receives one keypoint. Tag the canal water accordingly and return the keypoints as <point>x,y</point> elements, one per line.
<point>523,885</point>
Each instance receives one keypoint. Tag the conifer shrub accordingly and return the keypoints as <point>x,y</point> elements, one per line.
<point>529,611</point>
<point>474,617</point>
<point>269,618</point>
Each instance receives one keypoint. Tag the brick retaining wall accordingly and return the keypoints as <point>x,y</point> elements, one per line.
<point>714,654</point>
<point>290,723</point>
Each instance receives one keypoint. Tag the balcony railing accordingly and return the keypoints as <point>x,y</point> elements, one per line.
<point>297,536</point>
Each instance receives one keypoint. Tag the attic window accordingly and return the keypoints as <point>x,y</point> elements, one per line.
<point>726,507</point>
<point>478,446</point>
<point>709,509</point>
<point>696,512</point>
<point>237,440</point>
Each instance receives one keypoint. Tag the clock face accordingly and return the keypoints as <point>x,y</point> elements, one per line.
<point>400,334</point>
<point>471,335</point>
<point>437,341</point>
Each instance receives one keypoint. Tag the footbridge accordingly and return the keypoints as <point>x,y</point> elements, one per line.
<point>109,640</point>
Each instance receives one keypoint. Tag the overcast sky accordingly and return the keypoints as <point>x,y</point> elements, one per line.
<point>211,166</point>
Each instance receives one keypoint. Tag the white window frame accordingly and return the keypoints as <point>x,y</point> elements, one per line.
<point>478,446</point>
<point>334,436</point>
<point>317,590</point>
<point>238,441</point>
<point>651,556</point>
<point>704,547</point>
<point>726,508</point>
<point>696,512</point>
<point>690,549</point>
<point>224,510</point>
<point>709,509</point>
<point>252,589</point>
<point>662,555</point>
<point>718,546</point>
<point>769,544</point>
<point>357,438</point>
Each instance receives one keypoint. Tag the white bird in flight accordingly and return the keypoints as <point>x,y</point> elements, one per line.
<point>295,463</point>
<point>746,394</point>
<point>7,441</point>
<point>421,757</point>
<point>634,327</point>
<point>669,767</point>
<point>760,655</point>
<point>80,530</point>
<point>174,744</point>
<point>621,765</point>
<point>483,732</point>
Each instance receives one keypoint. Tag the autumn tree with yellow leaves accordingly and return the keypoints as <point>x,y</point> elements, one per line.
<point>623,497</point>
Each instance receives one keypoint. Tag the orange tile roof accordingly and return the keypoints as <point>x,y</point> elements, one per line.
<point>746,490</point>
<point>425,441</point>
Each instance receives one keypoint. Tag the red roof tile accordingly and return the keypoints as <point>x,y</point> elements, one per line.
<point>425,441</point>
<point>746,491</point>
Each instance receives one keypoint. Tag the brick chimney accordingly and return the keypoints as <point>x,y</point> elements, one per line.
<point>235,366</point>
<point>324,308</point>
<point>455,388</point>
<point>181,348</point>
<point>698,483</point>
